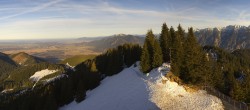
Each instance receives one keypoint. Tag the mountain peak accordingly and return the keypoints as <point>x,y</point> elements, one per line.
<point>118,35</point>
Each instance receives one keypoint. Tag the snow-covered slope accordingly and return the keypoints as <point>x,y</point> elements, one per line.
<point>124,91</point>
<point>132,90</point>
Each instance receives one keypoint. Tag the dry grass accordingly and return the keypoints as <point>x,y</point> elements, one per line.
<point>174,78</point>
<point>188,87</point>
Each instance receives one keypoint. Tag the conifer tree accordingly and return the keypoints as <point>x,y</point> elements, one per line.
<point>181,37</point>
<point>181,33</point>
<point>164,36</point>
<point>176,52</point>
<point>80,92</point>
<point>145,59</point>
<point>93,67</point>
<point>150,39</point>
<point>147,56</point>
<point>170,40</point>
<point>157,56</point>
<point>192,59</point>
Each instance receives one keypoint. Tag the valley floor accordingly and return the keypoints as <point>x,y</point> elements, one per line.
<point>132,90</point>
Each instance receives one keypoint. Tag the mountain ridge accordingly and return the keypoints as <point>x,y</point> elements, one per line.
<point>113,41</point>
<point>230,37</point>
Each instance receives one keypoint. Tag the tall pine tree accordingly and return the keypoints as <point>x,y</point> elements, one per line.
<point>147,52</point>
<point>190,71</point>
<point>157,56</point>
<point>181,33</point>
<point>164,36</point>
<point>151,54</point>
<point>176,52</point>
<point>145,59</point>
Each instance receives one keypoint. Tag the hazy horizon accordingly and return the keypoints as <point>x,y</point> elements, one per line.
<point>65,19</point>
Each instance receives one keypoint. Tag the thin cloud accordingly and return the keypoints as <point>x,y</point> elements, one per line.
<point>34,9</point>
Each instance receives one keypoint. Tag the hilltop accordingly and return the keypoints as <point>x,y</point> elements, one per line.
<point>25,59</point>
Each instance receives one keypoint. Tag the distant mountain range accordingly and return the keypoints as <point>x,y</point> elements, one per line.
<point>87,39</point>
<point>231,37</point>
<point>113,41</point>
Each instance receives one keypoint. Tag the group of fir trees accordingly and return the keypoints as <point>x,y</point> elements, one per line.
<point>151,56</point>
<point>194,64</point>
<point>114,60</point>
<point>169,48</point>
<point>182,50</point>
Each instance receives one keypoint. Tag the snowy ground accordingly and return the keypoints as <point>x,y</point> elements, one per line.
<point>70,67</point>
<point>132,90</point>
<point>40,74</point>
<point>171,96</point>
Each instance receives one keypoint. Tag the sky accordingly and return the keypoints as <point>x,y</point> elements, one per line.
<point>52,19</point>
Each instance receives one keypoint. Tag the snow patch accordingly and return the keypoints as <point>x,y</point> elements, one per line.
<point>40,74</point>
<point>7,90</point>
<point>70,67</point>
<point>55,78</point>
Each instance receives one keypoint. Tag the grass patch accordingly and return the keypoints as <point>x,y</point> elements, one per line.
<point>73,61</point>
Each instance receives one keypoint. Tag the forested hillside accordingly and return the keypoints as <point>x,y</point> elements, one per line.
<point>6,65</point>
<point>21,77</point>
<point>73,83</point>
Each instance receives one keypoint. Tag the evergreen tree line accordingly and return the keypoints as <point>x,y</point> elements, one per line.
<point>74,85</point>
<point>194,64</point>
<point>114,60</point>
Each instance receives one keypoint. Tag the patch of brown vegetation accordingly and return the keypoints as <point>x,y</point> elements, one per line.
<point>188,87</point>
<point>20,57</point>
<point>174,78</point>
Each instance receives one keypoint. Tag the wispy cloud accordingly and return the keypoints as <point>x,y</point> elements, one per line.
<point>33,9</point>
<point>98,17</point>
